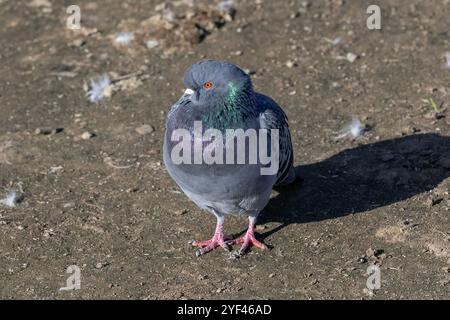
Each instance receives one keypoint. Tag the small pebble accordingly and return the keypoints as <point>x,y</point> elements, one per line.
<point>181,212</point>
<point>152,44</point>
<point>44,131</point>
<point>78,43</point>
<point>290,64</point>
<point>100,265</point>
<point>431,202</point>
<point>261,227</point>
<point>362,259</point>
<point>68,205</point>
<point>351,57</point>
<point>145,129</point>
<point>375,253</point>
<point>87,135</point>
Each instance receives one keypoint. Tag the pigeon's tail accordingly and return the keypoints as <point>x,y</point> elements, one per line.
<point>288,179</point>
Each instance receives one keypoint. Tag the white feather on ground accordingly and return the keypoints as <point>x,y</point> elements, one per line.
<point>354,129</point>
<point>336,41</point>
<point>124,38</point>
<point>100,88</point>
<point>10,200</point>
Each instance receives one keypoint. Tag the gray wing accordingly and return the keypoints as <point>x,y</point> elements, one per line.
<point>273,117</point>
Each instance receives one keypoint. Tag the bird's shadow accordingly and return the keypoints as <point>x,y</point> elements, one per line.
<point>361,179</point>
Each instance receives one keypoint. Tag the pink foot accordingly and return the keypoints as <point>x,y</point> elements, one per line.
<point>247,241</point>
<point>219,239</point>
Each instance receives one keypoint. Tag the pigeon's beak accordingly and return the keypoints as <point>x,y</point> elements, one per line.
<point>188,92</point>
<point>191,95</point>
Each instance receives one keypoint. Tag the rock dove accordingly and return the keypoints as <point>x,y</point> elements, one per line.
<point>220,96</point>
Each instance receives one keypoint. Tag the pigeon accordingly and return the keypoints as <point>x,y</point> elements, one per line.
<point>220,97</point>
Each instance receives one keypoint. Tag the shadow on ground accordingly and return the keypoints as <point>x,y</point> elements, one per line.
<point>361,179</point>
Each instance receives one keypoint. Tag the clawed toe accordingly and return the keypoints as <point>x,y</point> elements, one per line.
<point>214,241</point>
<point>247,241</point>
<point>210,245</point>
<point>220,239</point>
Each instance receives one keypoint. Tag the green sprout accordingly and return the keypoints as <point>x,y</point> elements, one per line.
<point>432,103</point>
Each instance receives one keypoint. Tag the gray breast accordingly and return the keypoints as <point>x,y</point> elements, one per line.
<point>225,188</point>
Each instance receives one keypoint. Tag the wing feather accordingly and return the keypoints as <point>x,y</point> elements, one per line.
<point>273,117</point>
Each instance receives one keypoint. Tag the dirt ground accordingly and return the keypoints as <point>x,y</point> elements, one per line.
<point>93,191</point>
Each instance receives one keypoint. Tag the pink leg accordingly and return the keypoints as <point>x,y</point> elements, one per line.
<point>249,239</point>
<point>219,239</point>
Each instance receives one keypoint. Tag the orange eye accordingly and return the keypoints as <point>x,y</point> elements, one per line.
<point>208,85</point>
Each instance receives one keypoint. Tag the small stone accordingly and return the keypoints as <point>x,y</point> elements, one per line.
<point>48,233</point>
<point>271,275</point>
<point>78,43</point>
<point>362,259</point>
<point>87,135</point>
<point>444,282</point>
<point>68,205</point>
<point>145,129</point>
<point>315,243</point>
<point>181,212</point>
<point>351,57</point>
<point>370,293</point>
<point>306,4</point>
<point>100,265</point>
<point>370,252</point>
<point>290,64</point>
<point>374,252</point>
<point>44,131</point>
<point>439,115</point>
<point>261,227</point>
<point>152,43</point>
<point>431,202</point>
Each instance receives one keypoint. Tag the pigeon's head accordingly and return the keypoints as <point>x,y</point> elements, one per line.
<point>212,82</point>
